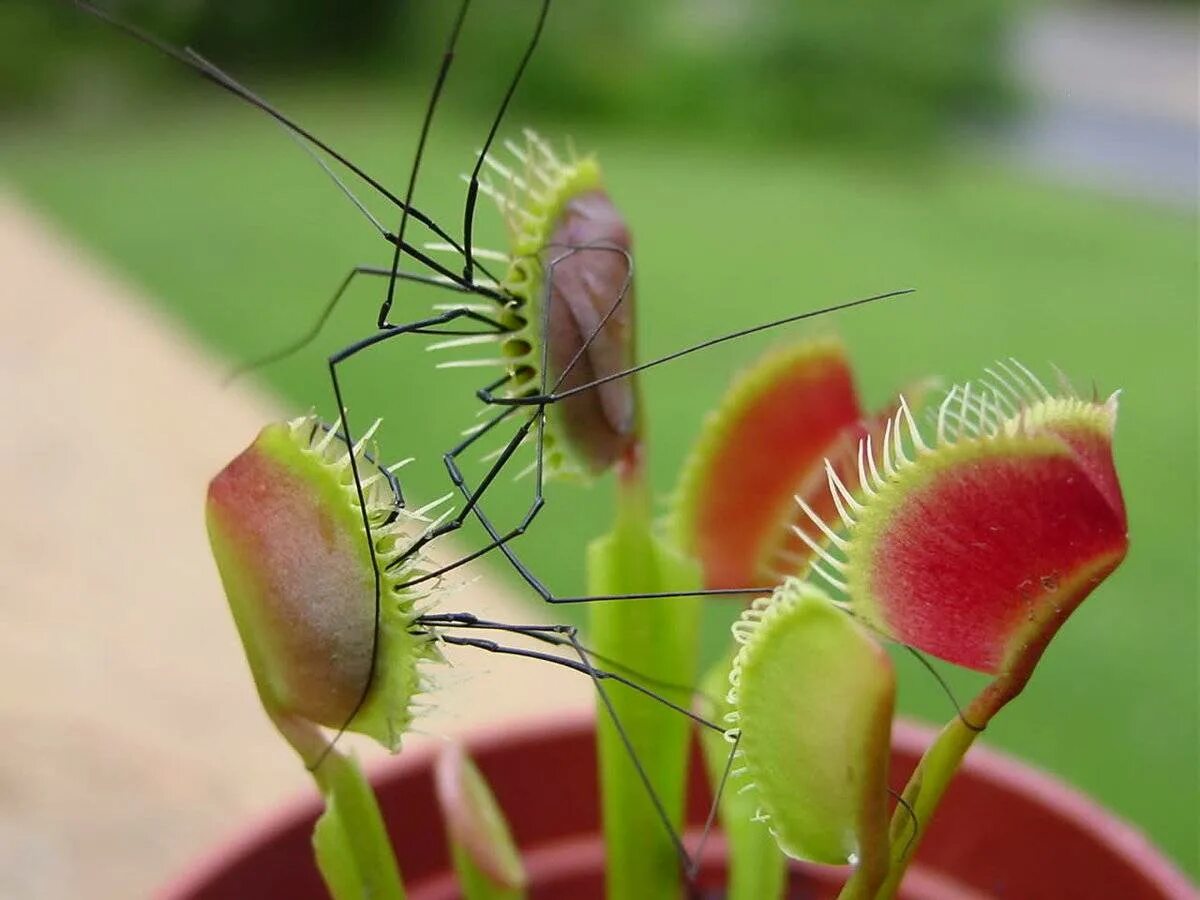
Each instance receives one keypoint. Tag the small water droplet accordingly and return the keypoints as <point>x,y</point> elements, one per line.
<point>852,859</point>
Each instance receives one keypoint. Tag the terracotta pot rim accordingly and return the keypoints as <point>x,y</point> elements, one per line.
<point>1122,839</point>
<point>1007,772</point>
<point>266,829</point>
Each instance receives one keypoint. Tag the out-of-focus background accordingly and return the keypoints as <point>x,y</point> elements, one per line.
<point>1029,167</point>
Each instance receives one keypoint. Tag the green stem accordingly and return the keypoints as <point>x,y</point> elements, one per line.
<point>659,638</point>
<point>923,793</point>
<point>475,883</point>
<point>350,840</point>
<point>933,775</point>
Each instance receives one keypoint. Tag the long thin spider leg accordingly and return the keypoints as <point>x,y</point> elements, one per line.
<point>457,522</point>
<point>457,478</point>
<point>390,476</point>
<point>461,561</point>
<point>431,107</point>
<point>316,157</point>
<point>304,340</point>
<point>937,676</point>
<point>470,620</point>
<point>222,80</point>
<point>499,541</point>
<point>597,677</point>
<point>584,667</point>
<point>541,400</point>
<point>473,185</point>
<point>497,328</point>
<point>397,239</point>
<point>711,818</point>
<point>421,326</point>
<point>426,260</point>
<point>474,436</point>
<point>665,595</point>
<point>344,424</point>
<point>554,635</point>
<point>472,496</point>
<point>912,815</point>
<point>503,542</point>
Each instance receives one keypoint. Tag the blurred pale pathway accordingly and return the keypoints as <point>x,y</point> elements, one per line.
<point>132,737</point>
<point>1116,97</point>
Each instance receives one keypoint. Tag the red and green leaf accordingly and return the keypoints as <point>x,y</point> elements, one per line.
<point>976,545</point>
<point>286,529</point>
<point>813,695</point>
<point>765,442</point>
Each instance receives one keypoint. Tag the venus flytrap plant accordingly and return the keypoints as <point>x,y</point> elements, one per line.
<point>974,544</point>
<point>324,621</point>
<point>569,316</point>
<point>336,620</point>
<point>977,541</point>
<point>972,539</point>
<point>813,695</point>
<point>570,273</point>
<point>764,444</point>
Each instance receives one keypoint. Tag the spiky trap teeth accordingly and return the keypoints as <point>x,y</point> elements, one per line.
<point>763,445</point>
<point>973,539</point>
<point>813,697</point>
<point>570,279</point>
<point>286,528</point>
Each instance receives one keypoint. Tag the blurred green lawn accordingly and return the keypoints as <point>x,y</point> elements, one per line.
<point>233,231</point>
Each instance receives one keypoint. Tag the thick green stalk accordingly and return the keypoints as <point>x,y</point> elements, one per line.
<point>923,793</point>
<point>658,638</point>
<point>941,761</point>
<point>352,847</point>
<point>351,842</point>
<point>936,770</point>
<point>475,883</point>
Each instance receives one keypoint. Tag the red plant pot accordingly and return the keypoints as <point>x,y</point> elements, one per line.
<point>1003,830</point>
